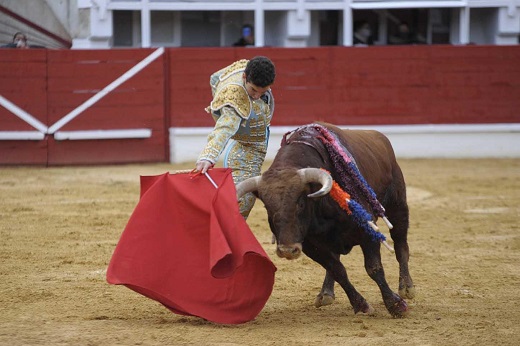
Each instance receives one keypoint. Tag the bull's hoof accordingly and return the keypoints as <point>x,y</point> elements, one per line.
<point>323,299</point>
<point>407,292</point>
<point>399,309</point>
<point>365,309</point>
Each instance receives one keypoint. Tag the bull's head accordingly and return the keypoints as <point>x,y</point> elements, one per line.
<point>285,194</point>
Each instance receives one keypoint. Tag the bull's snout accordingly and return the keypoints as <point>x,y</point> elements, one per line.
<point>289,252</point>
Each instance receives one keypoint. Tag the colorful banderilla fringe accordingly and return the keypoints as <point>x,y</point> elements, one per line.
<point>354,209</point>
<point>350,176</point>
<point>352,185</point>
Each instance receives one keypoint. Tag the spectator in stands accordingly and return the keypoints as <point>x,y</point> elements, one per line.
<point>242,108</point>
<point>362,34</point>
<point>405,35</point>
<point>247,38</point>
<point>19,41</point>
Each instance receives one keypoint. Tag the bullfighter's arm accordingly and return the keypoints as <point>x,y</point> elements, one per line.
<point>226,126</point>
<point>214,80</point>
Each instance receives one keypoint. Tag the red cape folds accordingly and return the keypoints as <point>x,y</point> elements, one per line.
<point>187,246</point>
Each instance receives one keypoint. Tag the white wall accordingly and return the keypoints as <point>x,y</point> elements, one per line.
<point>508,26</point>
<point>298,29</point>
<point>409,141</point>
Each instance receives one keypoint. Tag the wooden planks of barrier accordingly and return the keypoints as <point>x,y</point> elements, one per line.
<point>62,107</point>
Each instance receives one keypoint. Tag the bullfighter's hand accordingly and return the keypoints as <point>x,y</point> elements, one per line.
<point>202,166</point>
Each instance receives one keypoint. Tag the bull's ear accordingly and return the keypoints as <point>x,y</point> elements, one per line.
<point>248,185</point>
<point>318,176</point>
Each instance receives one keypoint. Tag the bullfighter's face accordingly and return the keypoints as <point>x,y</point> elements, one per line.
<point>254,91</point>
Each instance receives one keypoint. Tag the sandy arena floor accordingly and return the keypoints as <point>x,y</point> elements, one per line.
<point>59,227</point>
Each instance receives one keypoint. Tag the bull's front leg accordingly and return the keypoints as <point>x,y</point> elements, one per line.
<point>337,272</point>
<point>395,305</point>
<point>326,295</point>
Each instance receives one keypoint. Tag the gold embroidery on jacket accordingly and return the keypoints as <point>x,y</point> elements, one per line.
<point>233,68</point>
<point>235,96</point>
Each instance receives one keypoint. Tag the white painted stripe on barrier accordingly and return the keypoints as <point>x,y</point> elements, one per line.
<point>21,136</point>
<point>387,129</point>
<point>20,113</point>
<point>102,134</point>
<point>409,141</point>
<point>123,78</point>
<point>440,128</point>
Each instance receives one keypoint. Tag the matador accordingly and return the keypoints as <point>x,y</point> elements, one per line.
<point>242,110</point>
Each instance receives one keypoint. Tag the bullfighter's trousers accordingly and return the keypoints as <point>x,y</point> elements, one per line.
<point>245,160</point>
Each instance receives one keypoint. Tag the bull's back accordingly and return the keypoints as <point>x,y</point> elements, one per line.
<point>368,144</point>
<point>373,154</point>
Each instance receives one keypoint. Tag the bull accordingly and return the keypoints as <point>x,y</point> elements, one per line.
<point>303,216</point>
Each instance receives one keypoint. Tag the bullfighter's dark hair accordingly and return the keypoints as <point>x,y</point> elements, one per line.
<point>260,71</point>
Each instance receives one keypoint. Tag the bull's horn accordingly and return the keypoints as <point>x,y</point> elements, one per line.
<point>248,185</point>
<point>316,175</point>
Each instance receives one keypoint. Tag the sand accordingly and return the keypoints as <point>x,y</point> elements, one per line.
<point>59,227</point>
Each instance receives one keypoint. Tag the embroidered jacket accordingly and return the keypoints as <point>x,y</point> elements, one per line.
<point>237,116</point>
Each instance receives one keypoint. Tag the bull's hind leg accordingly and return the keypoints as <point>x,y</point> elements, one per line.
<point>393,302</point>
<point>402,254</point>
<point>337,272</point>
<point>398,214</point>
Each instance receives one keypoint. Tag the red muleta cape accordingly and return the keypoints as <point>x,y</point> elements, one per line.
<point>187,246</point>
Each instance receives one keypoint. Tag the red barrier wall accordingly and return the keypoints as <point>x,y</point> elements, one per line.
<point>49,84</point>
<point>23,81</point>
<point>74,77</point>
<point>364,85</point>
<point>343,85</point>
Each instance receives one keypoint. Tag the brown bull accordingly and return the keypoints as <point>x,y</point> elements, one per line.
<point>304,217</point>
